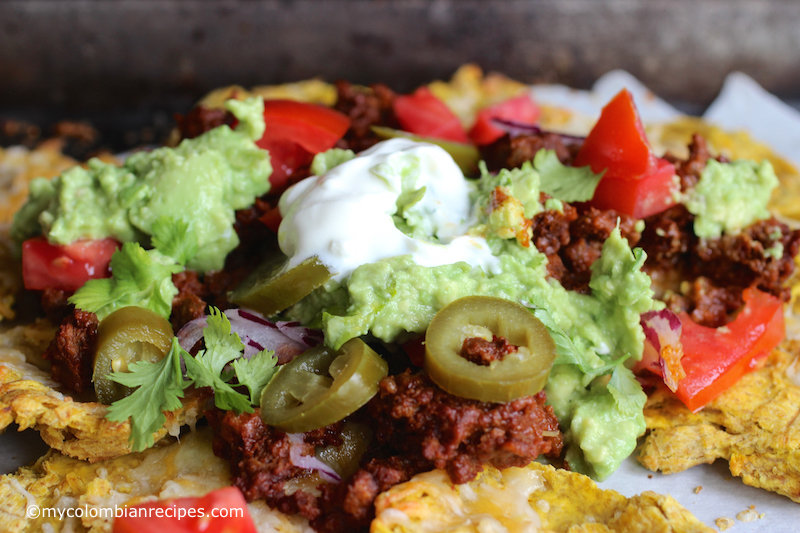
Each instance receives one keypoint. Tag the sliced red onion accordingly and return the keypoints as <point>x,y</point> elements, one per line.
<point>663,349</point>
<point>514,129</point>
<point>297,332</point>
<point>191,333</point>
<point>286,339</point>
<point>296,446</point>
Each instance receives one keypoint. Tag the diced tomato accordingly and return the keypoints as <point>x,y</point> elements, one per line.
<point>65,267</point>
<point>314,127</point>
<point>272,218</point>
<point>422,113</point>
<point>295,132</point>
<point>415,349</point>
<point>636,182</point>
<point>220,511</point>
<point>520,109</point>
<point>287,158</point>
<point>716,358</point>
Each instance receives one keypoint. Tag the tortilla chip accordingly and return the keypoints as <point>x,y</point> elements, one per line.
<point>173,470</point>
<point>312,91</point>
<point>523,499</point>
<point>18,166</point>
<point>755,426</point>
<point>469,90</point>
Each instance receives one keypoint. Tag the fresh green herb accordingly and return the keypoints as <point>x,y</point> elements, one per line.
<point>207,368</point>
<point>572,352</point>
<point>627,392</point>
<point>142,278</point>
<point>568,184</point>
<point>160,388</point>
<point>255,373</point>
<point>173,238</point>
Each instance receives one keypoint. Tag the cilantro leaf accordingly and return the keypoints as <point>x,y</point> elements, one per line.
<point>256,372</point>
<point>569,184</point>
<point>172,238</point>
<point>627,392</point>
<point>160,388</point>
<point>571,352</point>
<point>142,278</point>
<point>207,367</point>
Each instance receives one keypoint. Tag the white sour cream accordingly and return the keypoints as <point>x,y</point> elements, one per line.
<point>344,217</point>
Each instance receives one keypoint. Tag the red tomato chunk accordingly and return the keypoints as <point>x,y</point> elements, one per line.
<point>716,358</point>
<point>295,132</point>
<point>220,511</point>
<point>422,113</point>
<point>520,109</point>
<point>65,267</point>
<point>636,182</point>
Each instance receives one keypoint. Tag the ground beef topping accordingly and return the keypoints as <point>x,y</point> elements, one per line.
<point>483,352</point>
<point>415,416</point>
<point>259,457</point>
<point>200,120</point>
<point>717,270</point>
<point>366,107</point>
<point>512,152</point>
<point>70,352</point>
<point>690,169</point>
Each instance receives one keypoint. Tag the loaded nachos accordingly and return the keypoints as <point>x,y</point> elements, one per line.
<point>447,284</point>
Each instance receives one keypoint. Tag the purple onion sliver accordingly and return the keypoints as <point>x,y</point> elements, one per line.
<point>191,332</point>
<point>251,316</point>
<point>309,462</point>
<point>515,129</point>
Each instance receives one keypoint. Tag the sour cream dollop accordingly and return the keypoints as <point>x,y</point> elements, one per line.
<point>345,216</point>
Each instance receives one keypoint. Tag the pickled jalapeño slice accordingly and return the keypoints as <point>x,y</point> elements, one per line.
<point>124,337</point>
<point>273,287</point>
<point>465,155</point>
<point>519,373</point>
<point>322,386</point>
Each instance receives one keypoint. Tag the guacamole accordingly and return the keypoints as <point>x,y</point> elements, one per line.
<point>202,182</point>
<point>730,196</point>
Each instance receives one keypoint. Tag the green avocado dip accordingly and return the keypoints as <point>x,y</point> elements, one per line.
<point>202,182</point>
<point>730,196</point>
<point>595,396</point>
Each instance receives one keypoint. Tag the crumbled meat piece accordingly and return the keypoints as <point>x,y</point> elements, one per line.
<point>706,303</point>
<point>55,304</point>
<point>689,170</point>
<point>508,152</point>
<point>667,238</point>
<point>415,416</point>
<point>71,352</point>
<point>200,119</point>
<point>745,259</point>
<point>350,506</point>
<point>189,303</point>
<point>366,107</point>
<point>551,228</point>
<point>482,352</point>
<point>730,263</point>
